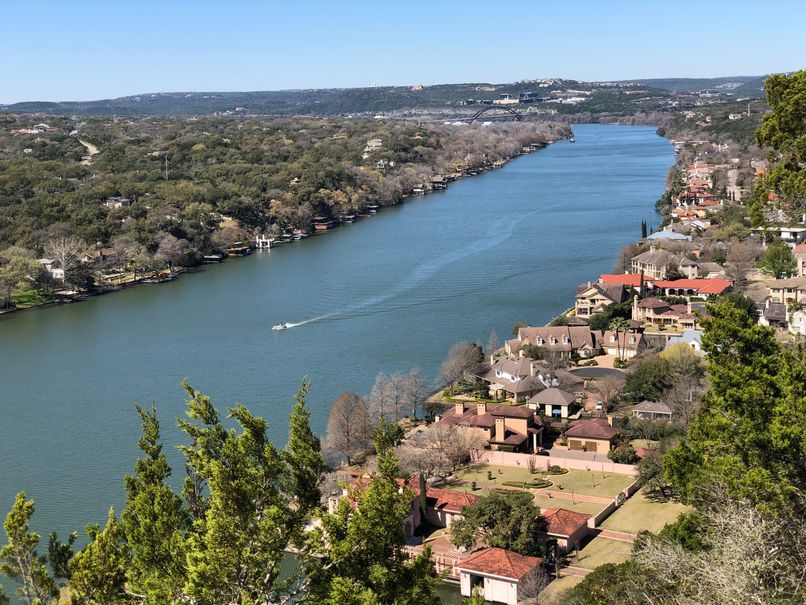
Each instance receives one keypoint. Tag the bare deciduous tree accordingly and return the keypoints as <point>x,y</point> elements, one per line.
<point>740,261</point>
<point>349,427</point>
<point>415,390</point>
<point>67,251</point>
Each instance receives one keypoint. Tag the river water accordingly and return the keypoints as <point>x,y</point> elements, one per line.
<point>385,294</point>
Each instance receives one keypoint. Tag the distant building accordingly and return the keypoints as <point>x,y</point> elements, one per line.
<point>117,202</point>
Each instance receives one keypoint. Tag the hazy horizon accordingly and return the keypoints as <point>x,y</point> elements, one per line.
<point>489,82</point>
<point>89,50</point>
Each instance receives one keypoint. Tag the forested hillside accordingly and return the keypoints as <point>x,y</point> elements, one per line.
<point>192,186</point>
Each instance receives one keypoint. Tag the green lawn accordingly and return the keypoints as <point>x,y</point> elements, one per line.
<point>553,593</point>
<point>589,508</point>
<point>639,513</point>
<point>600,551</point>
<point>28,298</point>
<point>592,483</point>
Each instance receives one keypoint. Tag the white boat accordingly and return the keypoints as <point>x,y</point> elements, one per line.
<point>283,326</point>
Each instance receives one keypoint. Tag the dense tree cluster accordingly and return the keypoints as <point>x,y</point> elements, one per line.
<point>223,539</point>
<point>742,467</point>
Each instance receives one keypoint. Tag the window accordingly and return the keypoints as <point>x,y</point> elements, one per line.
<point>540,341</point>
<point>566,340</point>
<point>553,340</point>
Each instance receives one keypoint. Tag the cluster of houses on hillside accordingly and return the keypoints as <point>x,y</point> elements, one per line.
<point>503,576</point>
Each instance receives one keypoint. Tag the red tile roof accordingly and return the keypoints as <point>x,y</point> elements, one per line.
<point>624,279</point>
<point>501,563</point>
<point>800,249</point>
<point>449,500</point>
<point>703,286</point>
<point>563,522</point>
<point>593,428</point>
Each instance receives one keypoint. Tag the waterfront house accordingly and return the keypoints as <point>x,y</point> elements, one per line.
<point>554,402</point>
<point>568,527</point>
<point>658,313</point>
<point>506,428</point>
<point>53,268</point>
<point>596,297</point>
<point>692,288</point>
<point>652,410</point>
<point>661,264</point>
<point>592,435</point>
<point>512,376</point>
<point>631,280</point>
<point>562,340</point>
<point>504,576</point>
<point>668,235</point>
<point>624,345</point>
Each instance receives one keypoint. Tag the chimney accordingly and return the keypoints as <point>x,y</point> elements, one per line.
<point>481,409</point>
<point>609,420</point>
<point>499,429</point>
<point>458,408</point>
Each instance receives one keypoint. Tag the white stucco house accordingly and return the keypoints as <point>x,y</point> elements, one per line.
<point>502,575</point>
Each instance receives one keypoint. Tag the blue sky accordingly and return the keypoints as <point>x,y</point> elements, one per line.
<point>82,49</point>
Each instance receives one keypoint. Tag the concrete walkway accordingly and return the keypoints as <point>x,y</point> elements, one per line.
<point>621,536</point>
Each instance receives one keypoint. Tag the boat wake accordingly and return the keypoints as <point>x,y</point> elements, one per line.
<point>498,232</point>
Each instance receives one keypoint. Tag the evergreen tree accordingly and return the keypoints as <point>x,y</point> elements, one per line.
<point>303,456</point>
<point>154,521</point>
<point>778,260</point>
<point>19,560</point>
<point>747,438</point>
<point>643,230</point>
<point>206,439</point>
<point>98,571</point>
<point>60,553</point>
<point>237,546</point>
<point>363,561</point>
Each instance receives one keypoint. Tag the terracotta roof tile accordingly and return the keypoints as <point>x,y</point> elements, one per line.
<point>593,428</point>
<point>563,522</point>
<point>501,563</point>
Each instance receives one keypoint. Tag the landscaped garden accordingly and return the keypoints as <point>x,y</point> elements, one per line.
<point>593,483</point>
<point>640,512</point>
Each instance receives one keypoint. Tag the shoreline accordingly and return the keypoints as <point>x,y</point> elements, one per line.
<point>81,296</point>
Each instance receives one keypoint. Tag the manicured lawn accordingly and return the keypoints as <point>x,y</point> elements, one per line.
<point>639,513</point>
<point>600,551</point>
<point>589,508</point>
<point>553,593</point>
<point>592,483</point>
<point>28,298</point>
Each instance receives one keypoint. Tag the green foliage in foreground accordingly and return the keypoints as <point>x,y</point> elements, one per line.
<point>223,539</point>
<point>742,466</point>
<point>783,129</point>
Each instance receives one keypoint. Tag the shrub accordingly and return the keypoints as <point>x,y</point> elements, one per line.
<point>490,476</point>
<point>473,486</point>
<point>535,483</point>
<point>556,470</point>
<point>623,454</point>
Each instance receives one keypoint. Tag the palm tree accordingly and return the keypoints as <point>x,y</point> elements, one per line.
<point>618,325</point>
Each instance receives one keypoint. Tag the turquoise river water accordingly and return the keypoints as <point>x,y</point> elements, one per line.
<point>387,293</point>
